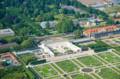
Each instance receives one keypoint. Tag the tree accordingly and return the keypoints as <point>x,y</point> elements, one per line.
<point>38,18</point>
<point>1,25</point>
<point>65,25</point>
<point>27,43</point>
<point>77,33</point>
<point>48,25</point>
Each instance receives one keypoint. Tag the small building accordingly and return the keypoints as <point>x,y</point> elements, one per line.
<point>82,40</point>
<point>9,59</point>
<point>8,45</point>
<point>50,24</point>
<point>6,32</point>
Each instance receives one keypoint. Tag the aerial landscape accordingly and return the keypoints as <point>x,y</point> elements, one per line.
<point>59,39</point>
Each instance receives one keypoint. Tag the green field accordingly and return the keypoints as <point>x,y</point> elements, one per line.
<point>118,66</point>
<point>67,66</point>
<point>107,73</point>
<point>45,70</point>
<point>89,61</point>
<point>110,57</point>
<point>81,76</point>
<point>56,77</point>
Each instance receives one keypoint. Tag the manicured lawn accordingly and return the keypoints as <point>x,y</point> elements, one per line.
<point>117,49</point>
<point>90,61</point>
<point>45,70</point>
<point>67,66</point>
<point>118,66</point>
<point>81,76</point>
<point>110,57</point>
<point>57,77</point>
<point>107,73</point>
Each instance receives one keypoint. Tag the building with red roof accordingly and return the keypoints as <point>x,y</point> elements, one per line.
<point>102,31</point>
<point>9,59</point>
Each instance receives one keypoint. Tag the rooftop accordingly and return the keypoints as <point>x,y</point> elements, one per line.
<point>64,46</point>
<point>9,56</point>
<point>92,2</point>
<point>6,32</point>
<point>8,45</point>
<point>100,29</point>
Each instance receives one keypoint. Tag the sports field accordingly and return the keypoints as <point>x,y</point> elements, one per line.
<point>104,65</point>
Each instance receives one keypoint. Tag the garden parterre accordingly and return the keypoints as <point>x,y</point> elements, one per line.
<point>106,66</point>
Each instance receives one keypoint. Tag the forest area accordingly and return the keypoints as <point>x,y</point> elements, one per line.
<point>24,17</point>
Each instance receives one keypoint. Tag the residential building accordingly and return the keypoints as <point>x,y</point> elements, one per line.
<point>102,31</point>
